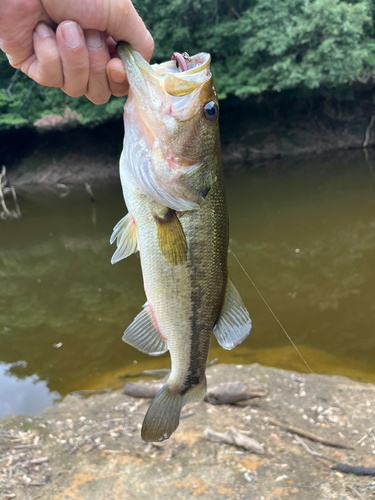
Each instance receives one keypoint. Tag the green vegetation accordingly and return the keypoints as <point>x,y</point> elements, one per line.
<point>256,45</point>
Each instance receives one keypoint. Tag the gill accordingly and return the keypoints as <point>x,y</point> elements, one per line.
<point>271,311</point>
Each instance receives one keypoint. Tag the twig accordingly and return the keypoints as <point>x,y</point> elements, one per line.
<point>370,430</point>
<point>352,469</point>
<point>212,362</point>
<point>309,435</point>
<point>40,460</point>
<point>310,486</point>
<point>251,395</point>
<point>230,393</point>
<point>236,438</point>
<point>12,81</point>
<point>27,446</point>
<point>4,189</point>
<point>311,451</point>
<point>65,188</point>
<point>353,490</point>
<point>89,192</point>
<point>15,201</point>
<point>92,437</point>
<point>307,448</point>
<point>2,184</point>
<point>368,132</point>
<point>187,415</point>
<point>232,9</point>
<point>141,390</point>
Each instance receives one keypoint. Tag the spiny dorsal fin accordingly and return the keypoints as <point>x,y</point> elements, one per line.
<point>171,238</point>
<point>234,323</point>
<point>143,334</point>
<point>127,238</point>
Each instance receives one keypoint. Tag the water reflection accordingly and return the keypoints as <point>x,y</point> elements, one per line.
<point>25,396</point>
<point>303,229</point>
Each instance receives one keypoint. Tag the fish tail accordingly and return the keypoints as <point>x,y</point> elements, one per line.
<point>163,416</point>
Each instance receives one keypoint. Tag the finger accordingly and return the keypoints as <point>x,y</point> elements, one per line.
<point>117,17</point>
<point>111,44</point>
<point>98,89</point>
<point>44,66</point>
<point>74,57</point>
<point>18,19</point>
<point>118,82</point>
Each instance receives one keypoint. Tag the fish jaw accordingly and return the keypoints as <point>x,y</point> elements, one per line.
<point>163,129</point>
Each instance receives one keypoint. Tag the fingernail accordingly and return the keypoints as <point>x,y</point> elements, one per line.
<point>118,75</point>
<point>72,35</point>
<point>94,38</point>
<point>43,30</point>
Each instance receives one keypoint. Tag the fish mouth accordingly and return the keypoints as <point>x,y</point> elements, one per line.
<point>158,88</point>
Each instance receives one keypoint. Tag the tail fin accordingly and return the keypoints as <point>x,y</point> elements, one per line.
<point>163,416</point>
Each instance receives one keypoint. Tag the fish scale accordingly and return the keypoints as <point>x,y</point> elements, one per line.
<point>179,224</point>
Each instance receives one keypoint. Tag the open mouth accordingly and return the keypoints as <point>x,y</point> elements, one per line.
<point>177,78</point>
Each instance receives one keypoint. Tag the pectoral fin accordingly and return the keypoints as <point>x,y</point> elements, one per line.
<point>171,238</point>
<point>234,323</point>
<point>143,334</point>
<point>125,232</point>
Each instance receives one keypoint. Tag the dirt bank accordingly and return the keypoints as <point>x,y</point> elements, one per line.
<point>252,131</point>
<point>90,448</point>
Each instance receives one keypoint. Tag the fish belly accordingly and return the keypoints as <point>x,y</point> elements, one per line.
<point>185,299</point>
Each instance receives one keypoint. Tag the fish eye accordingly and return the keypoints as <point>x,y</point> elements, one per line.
<point>211,111</point>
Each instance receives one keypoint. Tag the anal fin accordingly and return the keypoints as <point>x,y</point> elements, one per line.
<point>234,323</point>
<point>143,334</point>
<point>171,238</point>
<point>125,232</point>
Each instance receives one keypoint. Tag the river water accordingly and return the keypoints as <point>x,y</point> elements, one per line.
<point>304,230</point>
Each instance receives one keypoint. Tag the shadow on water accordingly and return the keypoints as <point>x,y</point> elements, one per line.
<point>304,229</point>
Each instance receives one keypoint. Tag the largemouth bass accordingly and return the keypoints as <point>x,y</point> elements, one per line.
<point>172,181</point>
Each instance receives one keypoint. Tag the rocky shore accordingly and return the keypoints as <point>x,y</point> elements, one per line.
<point>90,447</point>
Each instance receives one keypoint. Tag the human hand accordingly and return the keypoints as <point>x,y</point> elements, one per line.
<point>80,56</point>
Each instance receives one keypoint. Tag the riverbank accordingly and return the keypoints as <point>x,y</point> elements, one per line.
<point>90,447</point>
<point>252,132</point>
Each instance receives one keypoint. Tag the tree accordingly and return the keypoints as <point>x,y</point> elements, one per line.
<point>256,46</point>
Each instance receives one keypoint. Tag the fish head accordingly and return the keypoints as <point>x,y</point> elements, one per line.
<point>172,143</point>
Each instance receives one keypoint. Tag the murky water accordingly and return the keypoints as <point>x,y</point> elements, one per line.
<point>303,229</point>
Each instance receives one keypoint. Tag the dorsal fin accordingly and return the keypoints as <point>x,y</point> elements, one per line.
<point>143,334</point>
<point>234,323</point>
<point>125,232</point>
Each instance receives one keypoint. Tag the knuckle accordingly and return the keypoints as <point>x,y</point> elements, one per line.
<point>74,92</point>
<point>76,65</point>
<point>98,99</point>
<point>50,59</point>
<point>48,80</point>
<point>98,68</point>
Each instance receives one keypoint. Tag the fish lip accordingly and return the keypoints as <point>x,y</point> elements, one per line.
<point>130,56</point>
<point>166,75</point>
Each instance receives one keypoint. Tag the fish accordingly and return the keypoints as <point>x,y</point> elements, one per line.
<point>172,181</point>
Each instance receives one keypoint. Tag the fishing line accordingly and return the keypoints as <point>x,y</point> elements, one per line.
<point>271,311</point>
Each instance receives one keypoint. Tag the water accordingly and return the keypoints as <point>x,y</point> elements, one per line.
<point>303,229</point>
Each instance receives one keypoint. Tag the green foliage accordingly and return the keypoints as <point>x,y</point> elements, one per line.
<point>256,46</point>
<point>22,101</point>
<point>266,45</point>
